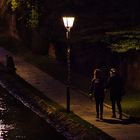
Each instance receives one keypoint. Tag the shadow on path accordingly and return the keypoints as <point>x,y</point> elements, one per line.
<point>122,121</point>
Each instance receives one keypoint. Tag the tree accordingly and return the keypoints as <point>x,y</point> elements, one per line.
<point>123,41</point>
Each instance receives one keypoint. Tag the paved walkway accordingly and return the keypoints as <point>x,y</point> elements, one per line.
<point>80,104</point>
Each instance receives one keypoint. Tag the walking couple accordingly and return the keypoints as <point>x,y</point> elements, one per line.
<point>97,89</point>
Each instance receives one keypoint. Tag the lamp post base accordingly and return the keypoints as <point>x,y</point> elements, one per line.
<point>68,99</point>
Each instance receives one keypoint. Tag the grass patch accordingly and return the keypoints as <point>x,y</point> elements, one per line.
<point>131,102</point>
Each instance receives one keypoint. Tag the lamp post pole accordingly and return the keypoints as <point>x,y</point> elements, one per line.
<point>68,23</point>
<point>69,69</point>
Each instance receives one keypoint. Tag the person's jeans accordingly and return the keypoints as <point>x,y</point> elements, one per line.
<point>118,102</point>
<point>99,107</point>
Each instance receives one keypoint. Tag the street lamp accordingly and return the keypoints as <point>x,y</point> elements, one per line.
<point>68,23</point>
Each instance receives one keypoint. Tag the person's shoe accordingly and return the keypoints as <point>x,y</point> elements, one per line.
<point>113,116</point>
<point>97,118</point>
<point>101,117</point>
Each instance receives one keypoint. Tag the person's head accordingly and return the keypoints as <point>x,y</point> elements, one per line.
<point>113,71</point>
<point>97,73</point>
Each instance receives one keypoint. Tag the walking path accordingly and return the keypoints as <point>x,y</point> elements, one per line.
<point>80,104</point>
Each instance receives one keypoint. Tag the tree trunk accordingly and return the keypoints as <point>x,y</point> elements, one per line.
<point>12,27</point>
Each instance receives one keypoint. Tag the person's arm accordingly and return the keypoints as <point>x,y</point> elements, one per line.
<point>91,88</point>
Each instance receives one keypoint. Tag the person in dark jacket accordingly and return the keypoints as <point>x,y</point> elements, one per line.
<point>97,90</point>
<point>116,87</point>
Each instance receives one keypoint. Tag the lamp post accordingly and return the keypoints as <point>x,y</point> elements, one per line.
<point>68,23</point>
